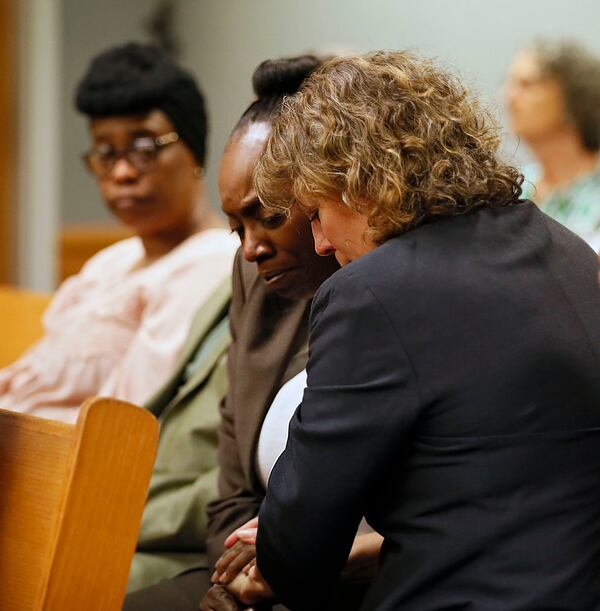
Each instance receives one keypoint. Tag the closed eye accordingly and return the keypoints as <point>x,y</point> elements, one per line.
<point>273,221</point>
<point>239,230</point>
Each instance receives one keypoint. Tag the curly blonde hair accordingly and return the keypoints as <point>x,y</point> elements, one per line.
<point>391,135</point>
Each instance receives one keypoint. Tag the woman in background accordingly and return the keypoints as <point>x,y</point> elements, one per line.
<point>553,99</point>
<point>116,328</point>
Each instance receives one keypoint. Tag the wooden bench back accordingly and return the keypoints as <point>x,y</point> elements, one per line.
<point>20,321</point>
<point>71,502</point>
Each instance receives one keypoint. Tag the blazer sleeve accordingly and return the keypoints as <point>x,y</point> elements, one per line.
<point>174,517</point>
<point>236,503</point>
<point>358,408</point>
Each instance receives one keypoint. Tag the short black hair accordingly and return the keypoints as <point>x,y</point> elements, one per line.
<point>136,78</point>
<point>272,80</point>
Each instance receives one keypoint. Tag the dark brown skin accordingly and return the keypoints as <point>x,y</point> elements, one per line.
<point>284,251</point>
<point>281,246</point>
<point>219,599</point>
<point>233,561</point>
<point>237,570</point>
<point>164,206</point>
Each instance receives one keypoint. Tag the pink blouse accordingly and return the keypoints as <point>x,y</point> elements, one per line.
<point>115,329</point>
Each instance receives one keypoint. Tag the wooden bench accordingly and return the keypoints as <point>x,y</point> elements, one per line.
<point>71,502</point>
<point>20,321</point>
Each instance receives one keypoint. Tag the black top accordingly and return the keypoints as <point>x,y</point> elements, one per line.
<point>453,399</point>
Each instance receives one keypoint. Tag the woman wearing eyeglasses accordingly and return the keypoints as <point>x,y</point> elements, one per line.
<point>116,328</point>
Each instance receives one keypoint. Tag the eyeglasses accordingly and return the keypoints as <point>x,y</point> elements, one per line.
<point>142,154</point>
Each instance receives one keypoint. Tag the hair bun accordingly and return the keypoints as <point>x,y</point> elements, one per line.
<point>279,77</point>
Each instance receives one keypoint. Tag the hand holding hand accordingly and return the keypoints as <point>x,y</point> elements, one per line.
<point>219,599</point>
<point>246,533</point>
<point>232,562</point>
<point>363,561</point>
<point>250,587</point>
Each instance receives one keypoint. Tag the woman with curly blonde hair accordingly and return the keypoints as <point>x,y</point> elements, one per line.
<point>453,391</point>
<point>404,136</point>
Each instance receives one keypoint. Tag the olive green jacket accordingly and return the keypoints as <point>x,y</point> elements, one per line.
<point>173,531</point>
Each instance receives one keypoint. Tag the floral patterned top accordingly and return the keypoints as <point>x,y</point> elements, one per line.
<point>576,205</point>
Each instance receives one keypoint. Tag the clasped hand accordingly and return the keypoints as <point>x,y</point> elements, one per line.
<point>237,581</point>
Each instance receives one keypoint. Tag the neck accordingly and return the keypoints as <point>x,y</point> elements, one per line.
<point>203,218</point>
<point>562,157</point>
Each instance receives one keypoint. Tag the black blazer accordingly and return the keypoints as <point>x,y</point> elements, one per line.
<point>453,399</point>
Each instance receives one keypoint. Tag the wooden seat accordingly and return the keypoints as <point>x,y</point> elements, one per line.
<point>20,321</point>
<point>71,501</point>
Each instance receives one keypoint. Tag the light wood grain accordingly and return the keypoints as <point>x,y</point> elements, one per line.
<point>20,321</point>
<point>71,501</point>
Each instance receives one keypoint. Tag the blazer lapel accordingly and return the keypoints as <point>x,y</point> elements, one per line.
<point>214,344</point>
<point>274,330</point>
<point>205,318</point>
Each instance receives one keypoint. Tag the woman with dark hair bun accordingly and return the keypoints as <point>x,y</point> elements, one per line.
<point>275,275</point>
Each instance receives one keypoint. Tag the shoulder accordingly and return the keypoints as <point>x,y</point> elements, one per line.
<point>202,257</point>
<point>210,241</point>
<point>434,255</point>
<point>356,290</point>
<point>587,189</point>
<point>531,174</point>
<point>362,274</point>
<point>121,255</point>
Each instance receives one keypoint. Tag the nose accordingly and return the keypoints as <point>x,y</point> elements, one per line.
<point>510,92</point>
<point>123,171</point>
<point>323,246</point>
<point>255,247</point>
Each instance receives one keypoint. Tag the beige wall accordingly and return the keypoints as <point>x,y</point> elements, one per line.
<point>89,27</point>
<point>226,39</point>
<point>222,42</point>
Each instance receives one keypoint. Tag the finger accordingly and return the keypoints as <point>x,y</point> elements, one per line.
<point>247,535</point>
<point>247,568</point>
<point>250,592</point>
<point>219,599</point>
<point>238,564</point>
<point>227,556</point>
<point>256,574</point>
<point>232,561</point>
<point>231,540</point>
<point>253,522</point>
<point>233,537</point>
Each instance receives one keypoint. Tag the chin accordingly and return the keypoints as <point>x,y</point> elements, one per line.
<point>294,292</point>
<point>149,230</point>
<point>135,223</point>
<point>341,259</point>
